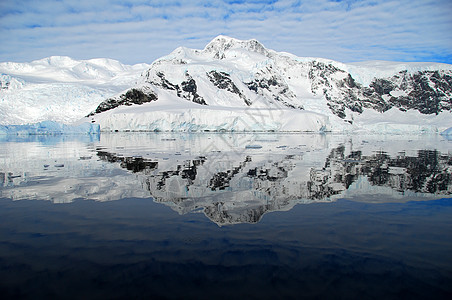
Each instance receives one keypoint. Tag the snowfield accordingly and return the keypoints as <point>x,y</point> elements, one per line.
<point>59,88</point>
<point>230,85</point>
<point>173,114</point>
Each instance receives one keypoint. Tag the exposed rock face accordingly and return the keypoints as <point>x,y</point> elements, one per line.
<point>272,86</point>
<point>189,91</point>
<point>223,81</point>
<point>186,89</point>
<point>429,92</point>
<point>132,96</point>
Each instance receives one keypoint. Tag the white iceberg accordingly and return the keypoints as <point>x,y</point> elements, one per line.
<point>447,132</point>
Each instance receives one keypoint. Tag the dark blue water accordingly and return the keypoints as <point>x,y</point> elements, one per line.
<point>135,248</point>
<point>319,222</point>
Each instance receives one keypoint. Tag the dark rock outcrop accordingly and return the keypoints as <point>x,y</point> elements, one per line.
<point>187,88</point>
<point>429,92</point>
<point>266,83</point>
<point>223,81</point>
<point>132,96</point>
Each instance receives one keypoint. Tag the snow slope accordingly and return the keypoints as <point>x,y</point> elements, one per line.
<point>59,88</point>
<point>236,85</point>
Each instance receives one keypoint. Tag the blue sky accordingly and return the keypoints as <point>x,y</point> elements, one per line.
<point>134,31</point>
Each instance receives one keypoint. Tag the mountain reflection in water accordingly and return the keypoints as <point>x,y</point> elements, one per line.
<point>232,191</point>
<point>221,176</point>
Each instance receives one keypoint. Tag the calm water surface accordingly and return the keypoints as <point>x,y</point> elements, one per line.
<point>243,216</point>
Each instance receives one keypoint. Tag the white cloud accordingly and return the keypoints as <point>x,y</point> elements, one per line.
<point>141,31</point>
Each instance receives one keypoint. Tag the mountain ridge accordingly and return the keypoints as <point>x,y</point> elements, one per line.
<point>244,74</point>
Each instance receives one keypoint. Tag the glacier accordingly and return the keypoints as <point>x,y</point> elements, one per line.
<point>49,128</point>
<point>59,88</point>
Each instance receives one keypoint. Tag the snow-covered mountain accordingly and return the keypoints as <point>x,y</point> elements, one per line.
<point>60,88</point>
<point>235,85</point>
<point>230,85</point>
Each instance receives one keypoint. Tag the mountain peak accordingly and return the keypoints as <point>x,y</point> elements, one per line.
<point>219,45</point>
<point>58,61</point>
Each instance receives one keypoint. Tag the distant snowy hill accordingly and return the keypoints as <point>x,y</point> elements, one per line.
<point>234,85</point>
<point>59,88</point>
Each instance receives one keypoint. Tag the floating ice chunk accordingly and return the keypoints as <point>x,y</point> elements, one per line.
<point>253,146</point>
<point>448,132</point>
